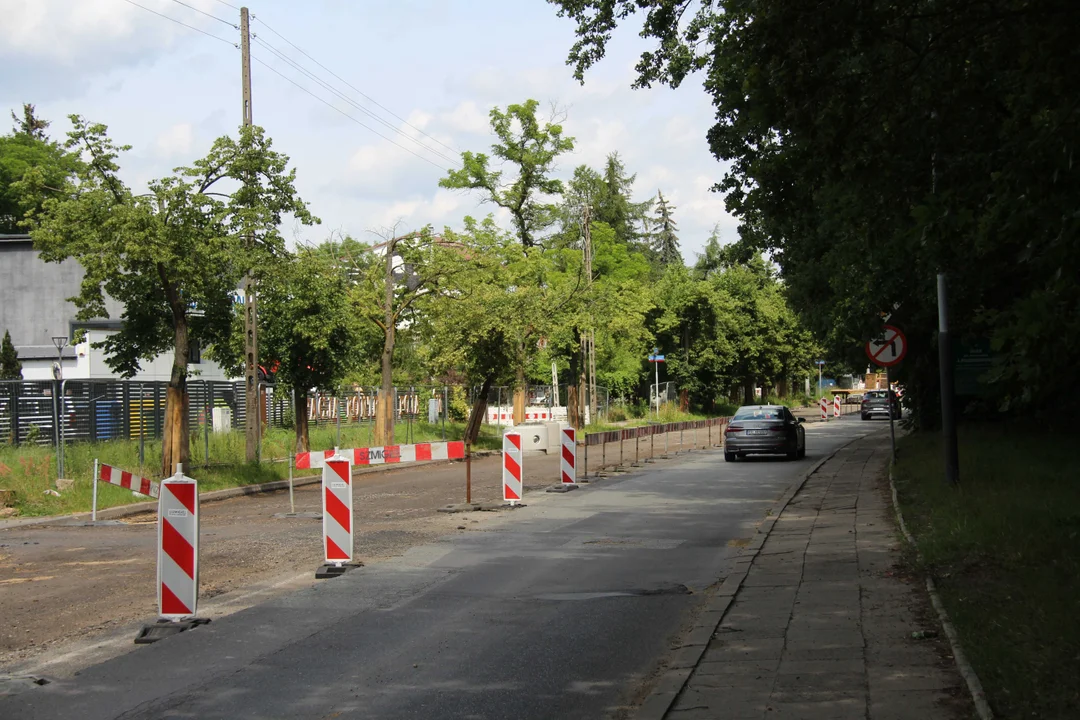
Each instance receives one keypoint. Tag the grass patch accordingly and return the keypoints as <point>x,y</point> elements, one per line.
<point>31,470</point>
<point>1004,550</point>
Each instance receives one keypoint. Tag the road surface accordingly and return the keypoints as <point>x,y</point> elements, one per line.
<point>563,609</point>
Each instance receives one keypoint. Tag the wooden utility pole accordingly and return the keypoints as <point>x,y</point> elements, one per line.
<point>590,336</point>
<point>251,325</point>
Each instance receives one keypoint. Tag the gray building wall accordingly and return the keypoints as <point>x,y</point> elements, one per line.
<point>33,296</point>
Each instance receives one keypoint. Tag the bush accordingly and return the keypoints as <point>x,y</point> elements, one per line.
<point>617,413</point>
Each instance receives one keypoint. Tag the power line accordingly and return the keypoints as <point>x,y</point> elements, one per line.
<point>370,99</point>
<point>334,107</point>
<point>349,100</point>
<point>209,15</point>
<point>189,27</point>
<point>229,5</point>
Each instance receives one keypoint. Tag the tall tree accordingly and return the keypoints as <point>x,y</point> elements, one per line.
<point>307,329</point>
<point>531,147</point>
<point>10,367</point>
<point>392,281</point>
<point>948,147</point>
<point>179,248</point>
<point>32,167</point>
<point>615,206</point>
<point>665,240</point>
<point>30,124</point>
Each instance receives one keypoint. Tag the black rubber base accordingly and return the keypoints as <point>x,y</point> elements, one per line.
<point>562,488</point>
<point>166,628</point>
<point>332,571</point>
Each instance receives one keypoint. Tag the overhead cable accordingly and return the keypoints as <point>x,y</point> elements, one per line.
<point>334,107</point>
<point>189,27</point>
<point>282,56</point>
<point>370,99</point>
<point>209,15</point>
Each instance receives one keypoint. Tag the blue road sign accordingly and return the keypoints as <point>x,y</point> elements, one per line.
<point>656,358</point>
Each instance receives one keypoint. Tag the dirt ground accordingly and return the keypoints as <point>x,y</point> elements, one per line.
<point>60,584</point>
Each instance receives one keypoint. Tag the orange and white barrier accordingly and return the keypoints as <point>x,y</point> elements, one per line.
<point>178,547</point>
<point>836,406</point>
<point>824,408</point>
<point>122,478</point>
<point>568,461</point>
<point>385,455</point>
<point>337,510</point>
<point>512,471</point>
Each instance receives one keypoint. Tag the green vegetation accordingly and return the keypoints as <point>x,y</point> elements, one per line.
<point>1004,551</point>
<point>871,145</point>
<point>31,470</point>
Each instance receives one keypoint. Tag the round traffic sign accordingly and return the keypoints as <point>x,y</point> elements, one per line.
<point>889,349</point>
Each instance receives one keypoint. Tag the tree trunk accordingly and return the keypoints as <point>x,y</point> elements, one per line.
<point>519,391</point>
<point>572,406</point>
<point>175,446</point>
<point>748,391</point>
<point>479,410</point>
<point>300,407</point>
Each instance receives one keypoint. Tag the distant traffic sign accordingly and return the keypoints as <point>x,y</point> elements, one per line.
<point>820,362</point>
<point>656,358</point>
<point>889,349</point>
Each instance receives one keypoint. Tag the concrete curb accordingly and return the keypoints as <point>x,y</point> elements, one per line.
<point>671,683</point>
<point>121,511</point>
<point>971,678</point>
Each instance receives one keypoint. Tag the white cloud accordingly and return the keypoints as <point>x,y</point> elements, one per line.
<point>466,117</point>
<point>177,141</point>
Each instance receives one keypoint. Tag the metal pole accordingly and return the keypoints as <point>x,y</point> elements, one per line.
<point>498,409</point>
<point>603,452</point>
<point>208,413</point>
<point>586,457</point>
<point>93,501</point>
<point>892,428</point>
<point>142,428</point>
<point>666,430</point>
<point>656,375</point>
<point>337,405</point>
<point>60,425</point>
<point>445,401</point>
<point>292,504</point>
<point>680,438</point>
<point>948,401</point>
<point>468,472</point>
<point>637,448</point>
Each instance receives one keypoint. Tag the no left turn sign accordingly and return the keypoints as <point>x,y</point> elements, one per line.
<point>889,349</point>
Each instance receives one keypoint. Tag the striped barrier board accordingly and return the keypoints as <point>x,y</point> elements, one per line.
<point>512,471</point>
<point>824,408</point>
<point>386,455</point>
<point>836,406</point>
<point>178,547</point>
<point>568,461</point>
<point>337,510</point>
<point>134,483</point>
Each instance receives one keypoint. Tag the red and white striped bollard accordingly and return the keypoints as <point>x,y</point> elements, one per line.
<point>512,472</point>
<point>568,461</point>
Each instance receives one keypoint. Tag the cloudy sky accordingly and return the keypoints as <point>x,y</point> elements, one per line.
<point>436,67</point>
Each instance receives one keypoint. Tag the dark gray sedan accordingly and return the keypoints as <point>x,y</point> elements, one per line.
<point>764,429</point>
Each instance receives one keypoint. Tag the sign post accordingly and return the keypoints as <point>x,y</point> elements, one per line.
<point>819,364</point>
<point>887,351</point>
<point>656,359</point>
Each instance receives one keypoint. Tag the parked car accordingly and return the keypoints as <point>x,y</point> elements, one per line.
<point>764,429</point>
<point>875,403</point>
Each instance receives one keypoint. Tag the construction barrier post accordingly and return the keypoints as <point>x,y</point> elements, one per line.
<point>603,453</point>
<point>836,406</point>
<point>468,472</point>
<point>824,408</point>
<point>680,438</point>
<point>292,504</point>
<point>337,516</point>
<point>568,461</point>
<point>512,473</point>
<point>93,501</point>
<point>177,558</point>
<point>586,457</point>
<point>637,448</point>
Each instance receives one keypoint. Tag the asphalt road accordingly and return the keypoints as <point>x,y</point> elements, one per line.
<point>562,609</point>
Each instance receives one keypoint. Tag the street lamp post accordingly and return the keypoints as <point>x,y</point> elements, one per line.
<point>60,341</point>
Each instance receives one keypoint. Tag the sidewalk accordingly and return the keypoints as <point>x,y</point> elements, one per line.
<point>821,627</point>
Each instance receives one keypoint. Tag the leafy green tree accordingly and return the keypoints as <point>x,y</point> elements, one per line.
<point>28,154</point>
<point>10,367</point>
<point>873,144</point>
<point>531,147</point>
<point>392,283</point>
<point>173,256</point>
<point>307,329</point>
